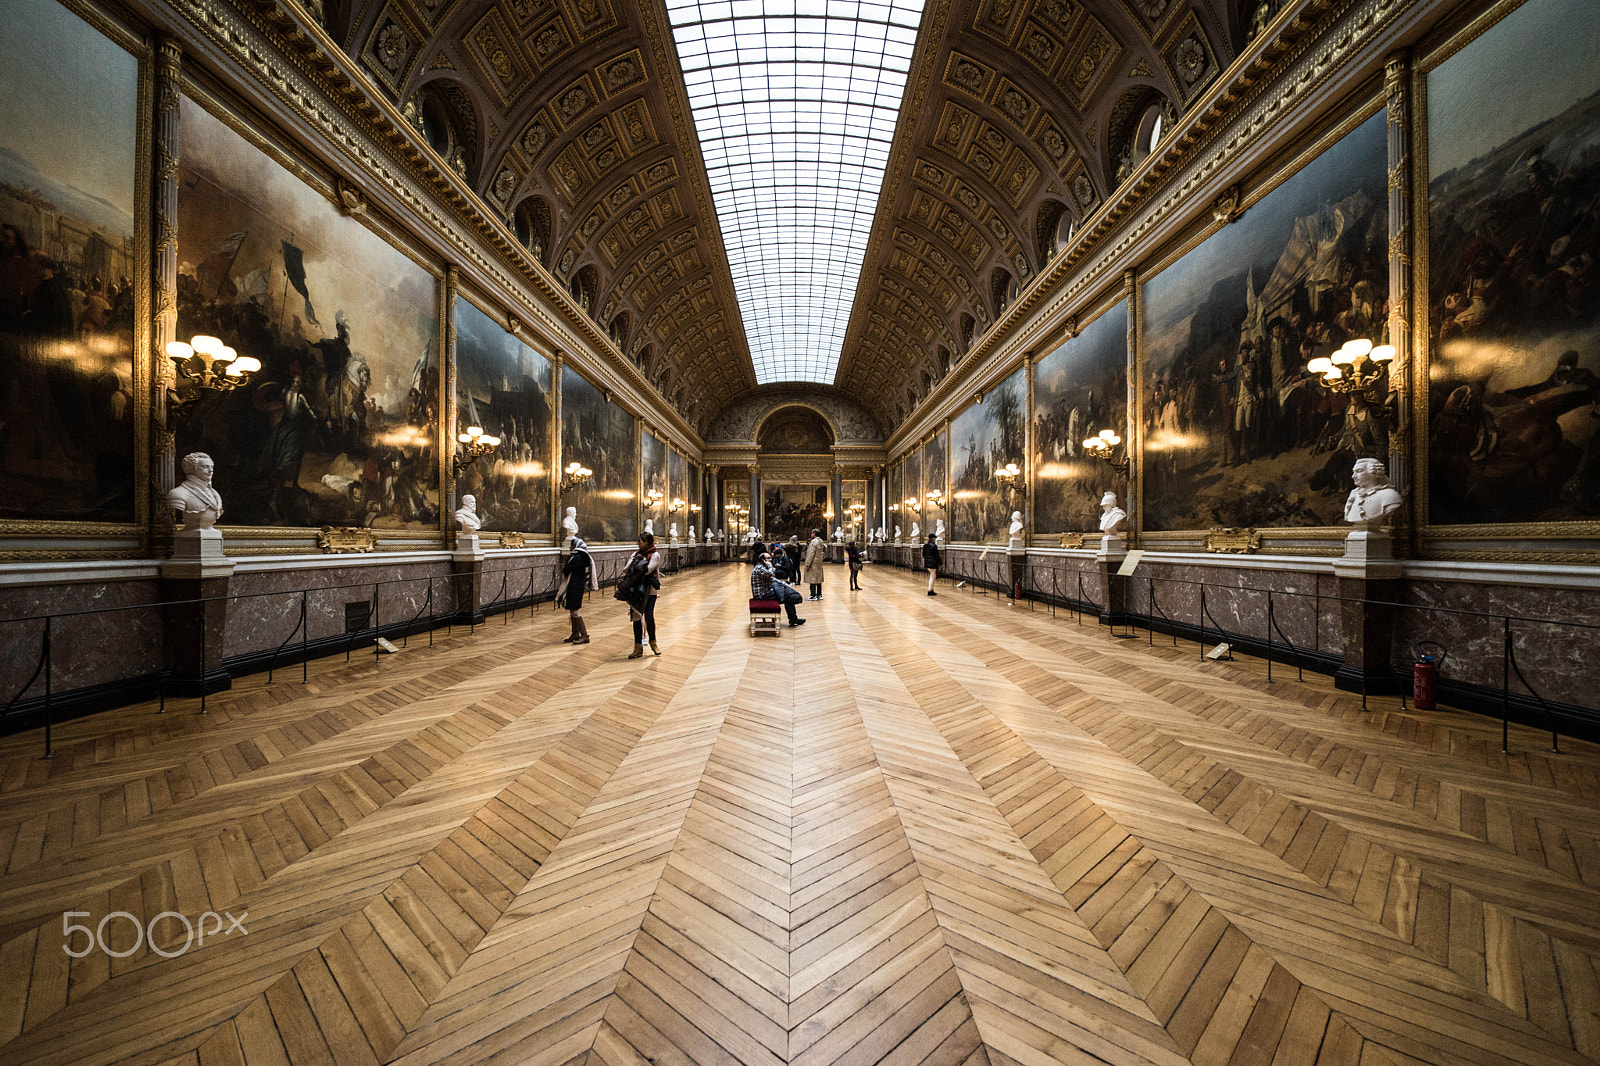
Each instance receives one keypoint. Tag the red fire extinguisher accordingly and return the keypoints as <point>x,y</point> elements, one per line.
<point>1016,590</point>
<point>1429,657</point>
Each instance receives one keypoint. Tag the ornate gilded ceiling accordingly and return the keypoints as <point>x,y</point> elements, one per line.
<point>569,119</point>
<point>1017,124</point>
<point>566,117</point>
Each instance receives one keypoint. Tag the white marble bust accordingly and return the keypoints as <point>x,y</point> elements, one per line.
<point>883,534</point>
<point>838,534</point>
<point>916,530</point>
<point>672,531</point>
<point>897,533</point>
<point>569,524</point>
<point>1016,524</point>
<point>198,504</point>
<point>938,530</point>
<point>1111,516</point>
<point>1373,499</point>
<point>650,526</point>
<point>467,515</point>
<point>691,537</point>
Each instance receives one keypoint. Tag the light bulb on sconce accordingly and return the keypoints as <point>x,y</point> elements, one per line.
<point>1012,480</point>
<point>676,506</point>
<point>1355,368</point>
<point>207,364</point>
<point>475,444</point>
<point>1106,446</point>
<point>574,475</point>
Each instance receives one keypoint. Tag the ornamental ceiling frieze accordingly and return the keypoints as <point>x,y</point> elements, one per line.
<point>564,126</point>
<point>1012,107</point>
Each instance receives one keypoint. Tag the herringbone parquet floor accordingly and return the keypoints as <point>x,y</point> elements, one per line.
<point>938,830</point>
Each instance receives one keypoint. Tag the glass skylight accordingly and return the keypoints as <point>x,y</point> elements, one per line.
<point>795,102</point>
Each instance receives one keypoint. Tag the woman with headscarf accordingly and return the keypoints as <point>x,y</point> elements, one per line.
<point>580,578</point>
<point>638,587</point>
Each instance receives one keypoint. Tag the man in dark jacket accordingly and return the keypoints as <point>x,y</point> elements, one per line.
<point>932,560</point>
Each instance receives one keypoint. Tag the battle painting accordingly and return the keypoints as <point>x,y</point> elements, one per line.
<point>340,425</point>
<point>935,471</point>
<point>677,489</point>
<point>598,434</point>
<point>503,386</point>
<point>1513,284</point>
<point>653,470</point>
<point>68,155</point>
<point>1247,436</point>
<point>911,506</point>
<point>1080,389</point>
<point>983,438</point>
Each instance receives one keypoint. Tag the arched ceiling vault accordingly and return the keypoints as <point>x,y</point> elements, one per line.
<point>1018,118</point>
<point>573,111</point>
<point>1018,115</point>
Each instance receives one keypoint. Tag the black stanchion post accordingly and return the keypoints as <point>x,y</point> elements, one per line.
<point>377,630</point>
<point>1202,637</point>
<point>1269,636</point>
<point>49,750</point>
<point>205,659</point>
<point>1506,689</point>
<point>305,653</point>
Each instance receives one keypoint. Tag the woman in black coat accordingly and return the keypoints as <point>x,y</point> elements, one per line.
<point>580,578</point>
<point>932,560</point>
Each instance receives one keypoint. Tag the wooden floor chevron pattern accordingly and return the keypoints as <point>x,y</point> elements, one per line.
<point>917,830</point>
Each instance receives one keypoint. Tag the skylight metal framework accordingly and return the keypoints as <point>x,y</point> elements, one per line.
<point>795,103</point>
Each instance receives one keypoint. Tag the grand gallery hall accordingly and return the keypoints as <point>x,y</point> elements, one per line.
<point>664,532</point>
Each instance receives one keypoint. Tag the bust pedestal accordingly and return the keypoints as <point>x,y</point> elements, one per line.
<point>1114,598</point>
<point>466,579</point>
<point>1369,582</point>
<point>195,582</point>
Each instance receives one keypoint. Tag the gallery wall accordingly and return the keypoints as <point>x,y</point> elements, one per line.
<point>361,334</point>
<point>1226,428</point>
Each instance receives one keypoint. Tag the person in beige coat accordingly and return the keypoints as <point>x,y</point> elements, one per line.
<point>811,569</point>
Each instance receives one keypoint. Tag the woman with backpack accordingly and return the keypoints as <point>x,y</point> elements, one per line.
<point>638,587</point>
<point>852,553</point>
<point>932,560</point>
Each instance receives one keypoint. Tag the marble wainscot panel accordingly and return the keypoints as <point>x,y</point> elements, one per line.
<point>514,576</point>
<point>123,637</point>
<point>1562,661</point>
<point>1066,575</point>
<point>1303,601</point>
<point>267,604</point>
<point>989,567</point>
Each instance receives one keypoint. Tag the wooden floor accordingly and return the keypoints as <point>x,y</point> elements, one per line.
<point>942,830</point>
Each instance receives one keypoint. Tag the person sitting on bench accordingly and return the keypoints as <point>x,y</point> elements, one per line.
<point>764,585</point>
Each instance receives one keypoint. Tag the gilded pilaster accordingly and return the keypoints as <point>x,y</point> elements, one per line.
<point>164,275</point>
<point>557,464</point>
<point>1133,436</point>
<point>1027,451</point>
<point>1402,373</point>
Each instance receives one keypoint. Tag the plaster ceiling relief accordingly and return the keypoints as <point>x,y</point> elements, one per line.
<point>564,118</point>
<point>1001,156</point>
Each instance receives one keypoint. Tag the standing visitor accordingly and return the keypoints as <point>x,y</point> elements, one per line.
<point>638,587</point>
<point>764,585</point>
<point>852,553</point>
<point>816,555</point>
<point>792,553</point>
<point>932,560</point>
<point>580,578</point>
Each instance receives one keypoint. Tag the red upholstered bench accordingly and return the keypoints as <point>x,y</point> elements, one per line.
<point>764,616</point>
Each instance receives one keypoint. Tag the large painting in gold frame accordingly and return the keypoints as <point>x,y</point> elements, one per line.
<point>340,426</point>
<point>71,271</point>
<point>1511,293</point>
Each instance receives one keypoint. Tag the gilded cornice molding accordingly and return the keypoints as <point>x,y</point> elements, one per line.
<point>1276,78</point>
<point>285,54</point>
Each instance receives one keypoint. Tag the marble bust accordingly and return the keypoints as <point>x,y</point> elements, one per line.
<point>1111,516</point>
<point>897,534</point>
<point>198,504</point>
<point>672,531</point>
<point>838,534</point>
<point>650,526</point>
<point>467,515</point>
<point>916,531</point>
<point>1373,499</point>
<point>569,524</point>
<point>882,534</point>
<point>1016,524</point>
<point>938,530</point>
<point>691,537</point>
